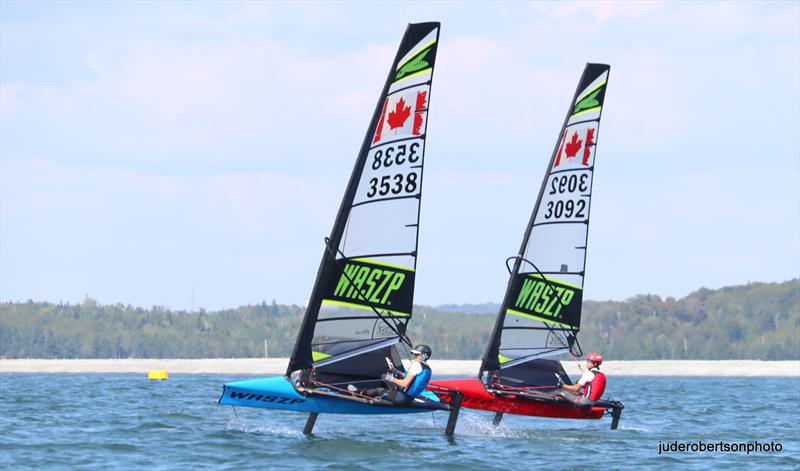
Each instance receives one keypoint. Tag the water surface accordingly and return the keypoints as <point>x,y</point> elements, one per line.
<point>93,421</point>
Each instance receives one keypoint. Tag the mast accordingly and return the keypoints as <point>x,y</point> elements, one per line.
<point>302,354</point>
<point>490,360</point>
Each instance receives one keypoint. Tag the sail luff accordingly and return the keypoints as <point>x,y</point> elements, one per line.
<point>301,355</point>
<point>490,359</point>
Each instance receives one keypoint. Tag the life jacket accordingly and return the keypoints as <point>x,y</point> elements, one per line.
<point>420,382</point>
<point>594,389</point>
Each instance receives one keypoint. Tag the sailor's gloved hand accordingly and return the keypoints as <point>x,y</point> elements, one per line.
<point>387,378</point>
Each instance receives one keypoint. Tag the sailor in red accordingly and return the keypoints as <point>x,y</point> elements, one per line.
<point>592,380</point>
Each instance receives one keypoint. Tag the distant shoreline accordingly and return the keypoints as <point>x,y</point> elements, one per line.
<point>274,366</point>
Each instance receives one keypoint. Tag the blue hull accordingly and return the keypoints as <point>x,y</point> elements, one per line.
<point>278,393</point>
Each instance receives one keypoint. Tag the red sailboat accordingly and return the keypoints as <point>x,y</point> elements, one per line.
<point>541,311</point>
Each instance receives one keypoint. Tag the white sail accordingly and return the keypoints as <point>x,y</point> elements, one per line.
<point>541,312</point>
<point>364,293</point>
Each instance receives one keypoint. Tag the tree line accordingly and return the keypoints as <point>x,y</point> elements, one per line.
<point>753,321</point>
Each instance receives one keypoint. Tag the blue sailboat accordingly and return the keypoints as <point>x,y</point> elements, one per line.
<point>362,298</point>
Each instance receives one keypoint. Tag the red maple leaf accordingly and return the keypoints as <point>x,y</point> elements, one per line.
<point>422,98</point>
<point>419,118</point>
<point>587,152</point>
<point>573,146</point>
<point>400,114</point>
<point>379,130</point>
<point>560,150</point>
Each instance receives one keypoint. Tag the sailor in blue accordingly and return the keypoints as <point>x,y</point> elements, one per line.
<point>402,391</point>
<point>417,377</point>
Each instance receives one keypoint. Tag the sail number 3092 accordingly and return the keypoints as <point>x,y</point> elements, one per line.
<point>394,184</point>
<point>569,183</point>
<point>567,209</point>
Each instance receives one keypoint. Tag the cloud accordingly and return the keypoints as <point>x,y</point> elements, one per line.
<point>113,229</point>
<point>709,228</point>
<point>190,104</point>
<point>212,146</point>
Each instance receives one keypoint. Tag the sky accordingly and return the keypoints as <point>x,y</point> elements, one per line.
<point>194,154</point>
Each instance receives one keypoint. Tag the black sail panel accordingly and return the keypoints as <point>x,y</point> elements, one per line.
<point>541,312</point>
<point>364,290</point>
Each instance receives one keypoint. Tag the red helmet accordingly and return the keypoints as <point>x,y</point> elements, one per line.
<point>596,358</point>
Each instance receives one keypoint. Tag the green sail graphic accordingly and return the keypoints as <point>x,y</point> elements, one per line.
<point>588,102</point>
<point>415,64</point>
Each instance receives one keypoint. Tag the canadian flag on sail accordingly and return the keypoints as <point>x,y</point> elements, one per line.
<point>403,115</point>
<point>577,146</point>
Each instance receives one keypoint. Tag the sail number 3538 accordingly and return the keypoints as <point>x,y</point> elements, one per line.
<point>392,155</point>
<point>394,184</point>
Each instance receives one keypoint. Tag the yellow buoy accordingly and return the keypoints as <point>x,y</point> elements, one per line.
<point>158,374</point>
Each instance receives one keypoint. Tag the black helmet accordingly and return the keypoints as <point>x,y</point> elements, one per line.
<point>423,350</point>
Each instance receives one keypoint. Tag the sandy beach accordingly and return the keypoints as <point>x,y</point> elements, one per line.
<point>271,366</point>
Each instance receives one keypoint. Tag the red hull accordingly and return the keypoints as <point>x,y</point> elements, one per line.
<point>476,397</point>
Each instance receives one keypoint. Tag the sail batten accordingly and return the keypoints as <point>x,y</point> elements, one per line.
<point>363,295</point>
<point>541,311</point>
